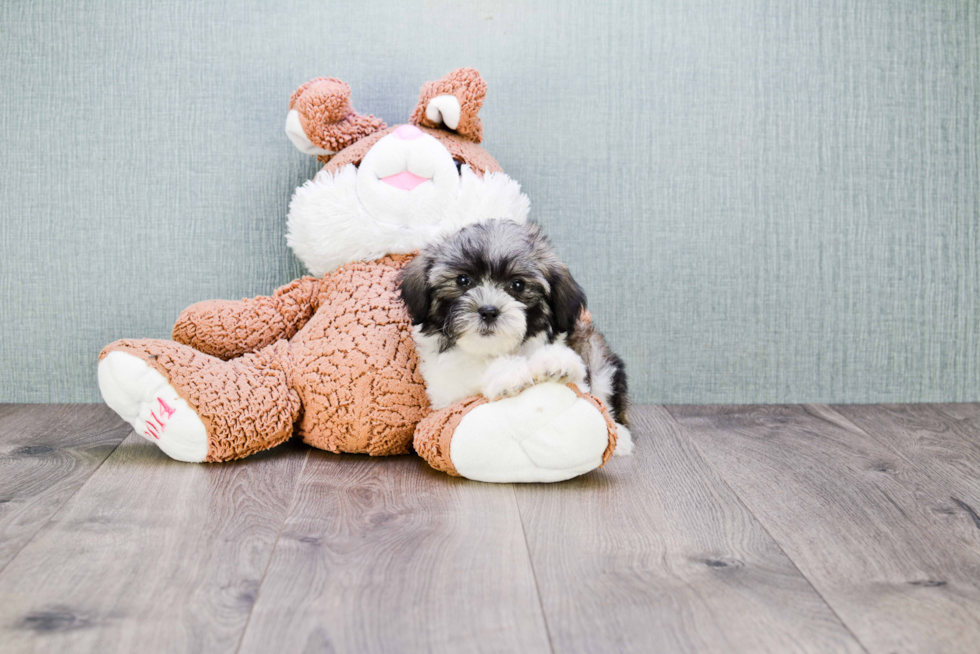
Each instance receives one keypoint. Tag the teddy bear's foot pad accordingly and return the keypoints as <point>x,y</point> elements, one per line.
<point>143,398</point>
<point>545,434</point>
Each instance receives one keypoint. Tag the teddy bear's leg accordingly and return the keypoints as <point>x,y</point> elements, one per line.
<point>143,398</point>
<point>550,432</point>
<point>196,407</point>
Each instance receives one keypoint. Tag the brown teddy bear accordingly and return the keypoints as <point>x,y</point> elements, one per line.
<point>331,356</point>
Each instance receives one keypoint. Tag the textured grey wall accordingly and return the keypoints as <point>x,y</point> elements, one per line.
<point>768,201</point>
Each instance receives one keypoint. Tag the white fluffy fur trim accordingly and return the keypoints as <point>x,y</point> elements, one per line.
<point>624,441</point>
<point>328,226</point>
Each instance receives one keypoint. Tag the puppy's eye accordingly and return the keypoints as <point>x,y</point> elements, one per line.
<point>517,285</point>
<point>463,281</point>
<point>459,165</point>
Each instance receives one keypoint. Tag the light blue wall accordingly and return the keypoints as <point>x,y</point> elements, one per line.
<point>767,201</point>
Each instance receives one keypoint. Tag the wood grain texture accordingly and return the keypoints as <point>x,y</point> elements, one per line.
<point>732,529</point>
<point>943,444</point>
<point>389,556</point>
<point>654,553</point>
<point>151,555</point>
<point>873,533</point>
<point>46,454</point>
<point>965,414</point>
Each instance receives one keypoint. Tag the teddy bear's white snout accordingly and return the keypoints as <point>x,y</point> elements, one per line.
<point>407,178</point>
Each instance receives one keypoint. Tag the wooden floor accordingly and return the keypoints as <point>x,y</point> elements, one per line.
<point>732,529</point>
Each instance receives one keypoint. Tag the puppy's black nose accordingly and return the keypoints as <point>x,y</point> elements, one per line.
<point>488,313</point>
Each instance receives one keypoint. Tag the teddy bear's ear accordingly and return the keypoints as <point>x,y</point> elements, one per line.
<point>453,102</point>
<point>321,120</point>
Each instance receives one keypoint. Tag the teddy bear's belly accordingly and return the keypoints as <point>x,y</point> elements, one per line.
<point>355,367</point>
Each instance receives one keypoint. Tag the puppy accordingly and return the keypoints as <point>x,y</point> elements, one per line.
<point>495,311</point>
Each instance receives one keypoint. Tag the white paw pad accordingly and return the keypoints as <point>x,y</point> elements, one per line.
<point>557,363</point>
<point>143,398</point>
<point>507,377</point>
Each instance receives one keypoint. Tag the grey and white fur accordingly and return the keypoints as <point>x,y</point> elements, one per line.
<point>495,311</point>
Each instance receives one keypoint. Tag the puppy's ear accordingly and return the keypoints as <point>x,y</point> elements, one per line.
<point>567,299</point>
<point>414,288</point>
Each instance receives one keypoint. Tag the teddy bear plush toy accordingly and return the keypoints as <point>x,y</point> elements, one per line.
<point>330,357</point>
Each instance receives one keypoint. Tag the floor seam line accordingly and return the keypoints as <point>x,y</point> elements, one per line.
<point>738,497</point>
<point>61,508</point>
<point>534,574</point>
<point>272,552</point>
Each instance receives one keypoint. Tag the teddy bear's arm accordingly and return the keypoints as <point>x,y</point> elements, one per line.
<point>227,329</point>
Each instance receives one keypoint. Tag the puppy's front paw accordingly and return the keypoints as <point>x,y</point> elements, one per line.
<point>557,363</point>
<point>507,377</point>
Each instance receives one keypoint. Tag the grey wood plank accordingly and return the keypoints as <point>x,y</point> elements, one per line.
<point>47,451</point>
<point>390,556</point>
<point>965,423</point>
<point>966,413</point>
<point>872,533</point>
<point>943,443</point>
<point>151,555</point>
<point>654,553</point>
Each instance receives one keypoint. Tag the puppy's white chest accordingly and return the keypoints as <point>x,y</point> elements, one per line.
<point>450,375</point>
<point>455,374</point>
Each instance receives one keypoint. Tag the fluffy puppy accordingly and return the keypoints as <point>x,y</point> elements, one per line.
<point>495,311</point>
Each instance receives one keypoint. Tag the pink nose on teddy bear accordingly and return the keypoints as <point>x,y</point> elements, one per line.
<point>408,132</point>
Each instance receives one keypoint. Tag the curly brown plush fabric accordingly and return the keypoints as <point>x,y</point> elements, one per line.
<point>335,354</point>
<point>469,88</point>
<point>355,363</point>
<point>331,359</point>
<point>434,434</point>
<point>318,97</point>
<point>327,117</point>
<point>228,329</point>
<point>246,405</point>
